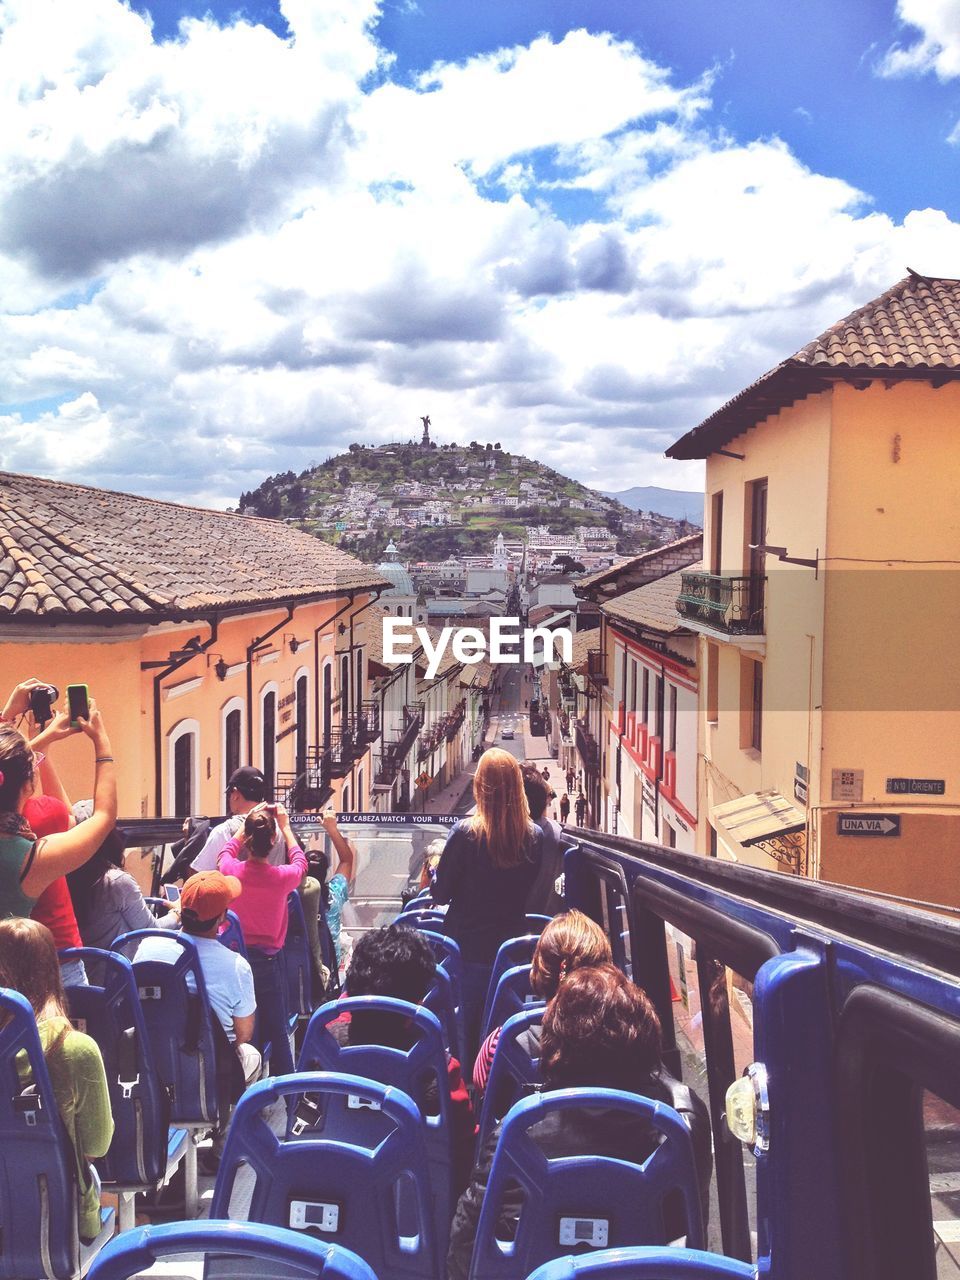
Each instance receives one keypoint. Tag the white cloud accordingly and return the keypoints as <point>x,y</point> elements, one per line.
<point>935,47</point>
<point>271,258</point>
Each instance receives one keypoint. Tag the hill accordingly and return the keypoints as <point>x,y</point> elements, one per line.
<point>439,500</point>
<point>678,504</point>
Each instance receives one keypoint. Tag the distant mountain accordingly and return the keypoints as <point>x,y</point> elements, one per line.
<point>679,504</point>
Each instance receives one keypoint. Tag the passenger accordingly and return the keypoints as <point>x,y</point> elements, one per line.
<point>107,900</point>
<point>399,962</point>
<point>489,863</point>
<point>28,964</point>
<point>262,912</point>
<point>47,815</point>
<point>335,889</point>
<point>246,790</point>
<point>570,941</point>
<point>543,898</point>
<point>599,1031</point>
<point>227,976</point>
<point>27,864</point>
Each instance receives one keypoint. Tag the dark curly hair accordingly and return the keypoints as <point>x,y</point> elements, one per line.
<point>536,790</point>
<point>599,1031</point>
<point>395,961</point>
<point>16,766</point>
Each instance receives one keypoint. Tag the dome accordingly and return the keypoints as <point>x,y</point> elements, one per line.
<point>391,569</point>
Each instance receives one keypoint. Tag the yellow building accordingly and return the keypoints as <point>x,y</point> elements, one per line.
<point>829,610</point>
<point>208,640</point>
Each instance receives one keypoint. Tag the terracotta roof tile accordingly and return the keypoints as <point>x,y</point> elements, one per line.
<point>692,542</point>
<point>67,550</point>
<point>911,331</point>
<point>654,605</point>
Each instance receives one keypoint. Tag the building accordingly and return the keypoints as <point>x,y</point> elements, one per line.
<point>828,608</point>
<point>208,641</point>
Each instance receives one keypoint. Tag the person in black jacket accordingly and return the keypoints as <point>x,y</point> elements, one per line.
<point>488,865</point>
<point>599,1031</point>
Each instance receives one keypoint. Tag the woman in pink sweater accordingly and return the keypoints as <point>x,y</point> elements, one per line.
<point>262,912</point>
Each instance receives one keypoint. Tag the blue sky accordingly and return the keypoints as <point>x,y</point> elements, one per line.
<point>235,240</point>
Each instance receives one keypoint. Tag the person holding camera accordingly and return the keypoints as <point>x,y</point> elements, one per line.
<point>28,864</point>
<point>262,912</point>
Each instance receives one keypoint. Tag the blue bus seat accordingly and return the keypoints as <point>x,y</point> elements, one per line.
<point>513,1072</point>
<point>230,1249</point>
<point>159,906</point>
<point>343,1189</point>
<point>145,1150</point>
<point>509,954</point>
<point>512,995</point>
<point>413,1070</point>
<point>536,923</point>
<point>231,934</point>
<point>38,1180</point>
<point>296,950</point>
<point>447,954</point>
<point>417,903</point>
<point>180,1024</point>
<point>576,1199</point>
<point>646,1262</point>
<point>441,1002</point>
<point>427,918</point>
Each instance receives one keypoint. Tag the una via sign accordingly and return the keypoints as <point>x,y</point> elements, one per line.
<point>868,824</point>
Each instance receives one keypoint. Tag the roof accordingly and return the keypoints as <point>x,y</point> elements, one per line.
<point>911,331</point>
<point>693,542</point>
<point>653,605</point>
<point>73,553</point>
<point>583,642</point>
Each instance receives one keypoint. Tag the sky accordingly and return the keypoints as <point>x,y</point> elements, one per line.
<point>234,239</point>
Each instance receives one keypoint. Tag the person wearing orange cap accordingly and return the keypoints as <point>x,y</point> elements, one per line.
<point>227,976</point>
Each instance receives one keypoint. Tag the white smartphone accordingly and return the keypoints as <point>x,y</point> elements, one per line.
<point>171,892</point>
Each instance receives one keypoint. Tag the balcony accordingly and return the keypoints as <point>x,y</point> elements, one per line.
<point>367,723</point>
<point>309,790</point>
<point>343,748</point>
<point>588,747</point>
<point>724,603</point>
<point>597,667</point>
<point>453,720</point>
<point>394,752</point>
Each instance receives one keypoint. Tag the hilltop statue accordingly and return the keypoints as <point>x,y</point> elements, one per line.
<point>425,442</point>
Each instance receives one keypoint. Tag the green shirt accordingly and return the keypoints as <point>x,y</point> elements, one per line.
<point>14,853</point>
<point>80,1087</point>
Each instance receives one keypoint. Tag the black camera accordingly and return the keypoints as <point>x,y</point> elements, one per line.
<point>42,699</point>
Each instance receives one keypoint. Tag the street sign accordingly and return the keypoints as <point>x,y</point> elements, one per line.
<point>424,781</point>
<point>916,786</point>
<point>846,784</point>
<point>868,824</point>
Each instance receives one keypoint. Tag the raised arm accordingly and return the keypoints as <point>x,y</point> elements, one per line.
<point>41,741</point>
<point>59,854</point>
<point>346,861</point>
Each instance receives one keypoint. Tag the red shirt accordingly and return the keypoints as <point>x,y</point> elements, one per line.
<point>54,908</point>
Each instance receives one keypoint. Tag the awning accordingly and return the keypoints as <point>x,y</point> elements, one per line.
<point>765,820</point>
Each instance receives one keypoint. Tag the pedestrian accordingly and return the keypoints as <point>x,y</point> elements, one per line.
<point>564,807</point>
<point>581,809</point>
<point>546,774</point>
<point>570,779</point>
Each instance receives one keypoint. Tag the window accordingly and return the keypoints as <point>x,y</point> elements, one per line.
<point>751,704</point>
<point>713,683</point>
<point>345,800</point>
<point>632,704</point>
<point>672,720</point>
<point>756,560</point>
<point>268,728</point>
<point>344,689</point>
<point>358,686</point>
<point>359,791</point>
<point>327,703</point>
<point>658,707</point>
<point>183,769</point>
<point>716,532</point>
<point>646,696</point>
<point>301,686</point>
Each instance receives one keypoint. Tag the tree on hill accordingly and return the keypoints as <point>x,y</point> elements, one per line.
<point>343,477</point>
<point>567,564</point>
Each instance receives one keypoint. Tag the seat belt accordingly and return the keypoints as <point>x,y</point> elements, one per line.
<point>128,1061</point>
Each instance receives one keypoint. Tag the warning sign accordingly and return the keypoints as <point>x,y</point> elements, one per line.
<point>424,781</point>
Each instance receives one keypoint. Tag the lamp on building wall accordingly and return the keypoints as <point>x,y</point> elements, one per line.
<point>220,668</point>
<point>782,555</point>
<point>294,644</point>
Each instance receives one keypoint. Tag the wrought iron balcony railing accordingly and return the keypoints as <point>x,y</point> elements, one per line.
<point>368,722</point>
<point>731,603</point>
<point>394,751</point>
<point>453,720</point>
<point>588,747</point>
<point>311,788</point>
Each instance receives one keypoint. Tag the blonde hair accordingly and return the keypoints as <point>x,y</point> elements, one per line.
<point>503,815</point>
<point>570,941</point>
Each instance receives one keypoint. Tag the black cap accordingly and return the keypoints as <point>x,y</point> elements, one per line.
<point>249,781</point>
